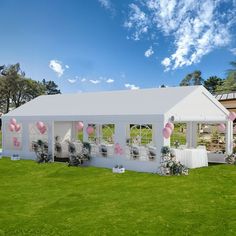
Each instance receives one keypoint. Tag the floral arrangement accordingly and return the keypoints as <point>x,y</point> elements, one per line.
<point>41,150</point>
<point>165,150</point>
<point>176,144</point>
<point>231,159</point>
<point>169,164</point>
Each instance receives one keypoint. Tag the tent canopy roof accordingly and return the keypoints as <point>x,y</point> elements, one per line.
<point>156,101</point>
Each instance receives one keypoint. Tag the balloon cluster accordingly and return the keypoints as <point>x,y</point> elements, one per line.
<point>13,126</point>
<point>41,127</point>
<point>16,142</point>
<point>118,149</point>
<point>90,130</point>
<point>79,126</point>
<point>232,116</point>
<point>167,131</point>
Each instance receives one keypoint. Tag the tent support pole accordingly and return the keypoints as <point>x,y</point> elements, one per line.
<point>158,138</point>
<point>191,134</point>
<point>85,135</point>
<point>229,137</point>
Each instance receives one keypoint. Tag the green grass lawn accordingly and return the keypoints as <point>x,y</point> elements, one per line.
<point>53,199</point>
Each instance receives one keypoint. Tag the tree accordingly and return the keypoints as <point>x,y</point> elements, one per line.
<point>51,87</point>
<point>197,78</point>
<point>232,70</point>
<point>26,90</point>
<point>212,83</point>
<point>10,76</point>
<point>186,80</point>
<point>229,84</point>
<point>16,89</point>
<point>194,78</point>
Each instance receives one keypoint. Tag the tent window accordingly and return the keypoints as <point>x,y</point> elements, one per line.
<point>108,133</point>
<point>140,134</point>
<point>92,136</point>
<point>35,134</point>
<point>14,138</point>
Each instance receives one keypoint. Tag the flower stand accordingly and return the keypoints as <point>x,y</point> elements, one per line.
<point>15,157</point>
<point>118,170</point>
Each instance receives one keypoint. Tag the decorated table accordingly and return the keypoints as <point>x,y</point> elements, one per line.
<point>192,158</point>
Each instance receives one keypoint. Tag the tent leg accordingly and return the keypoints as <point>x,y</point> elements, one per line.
<point>229,137</point>
<point>158,138</point>
<point>191,134</point>
<point>85,135</point>
<point>51,138</point>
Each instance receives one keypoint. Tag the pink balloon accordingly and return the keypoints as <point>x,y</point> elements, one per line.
<point>17,144</point>
<point>40,125</point>
<point>13,121</point>
<point>11,127</point>
<point>14,139</point>
<point>120,151</point>
<point>43,130</point>
<point>166,132</point>
<point>79,126</point>
<point>170,125</point>
<point>232,115</point>
<point>90,130</point>
<point>221,127</point>
<point>17,127</point>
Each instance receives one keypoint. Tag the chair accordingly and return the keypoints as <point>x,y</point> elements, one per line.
<point>134,152</point>
<point>103,150</point>
<point>151,153</point>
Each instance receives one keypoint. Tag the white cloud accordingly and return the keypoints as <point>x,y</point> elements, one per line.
<point>94,81</point>
<point>57,67</point>
<point>109,80</point>
<point>105,3</point>
<point>166,62</point>
<point>137,19</point>
<point>67,67</point>
<point>196,27</point>
<point>233,50</point>
<point>149,52</point>
<point>72,81</point>
<point>83,79</point>
<point>131,86</point>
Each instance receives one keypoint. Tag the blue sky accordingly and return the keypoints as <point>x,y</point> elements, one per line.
<point>94,45</point>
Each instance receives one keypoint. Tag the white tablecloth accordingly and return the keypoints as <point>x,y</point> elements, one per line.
<point>192,158</point>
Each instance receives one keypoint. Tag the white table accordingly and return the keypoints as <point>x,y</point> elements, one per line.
<point>192,158</point>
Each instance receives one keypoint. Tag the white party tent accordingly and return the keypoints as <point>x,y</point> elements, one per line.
<point>120,111</point>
